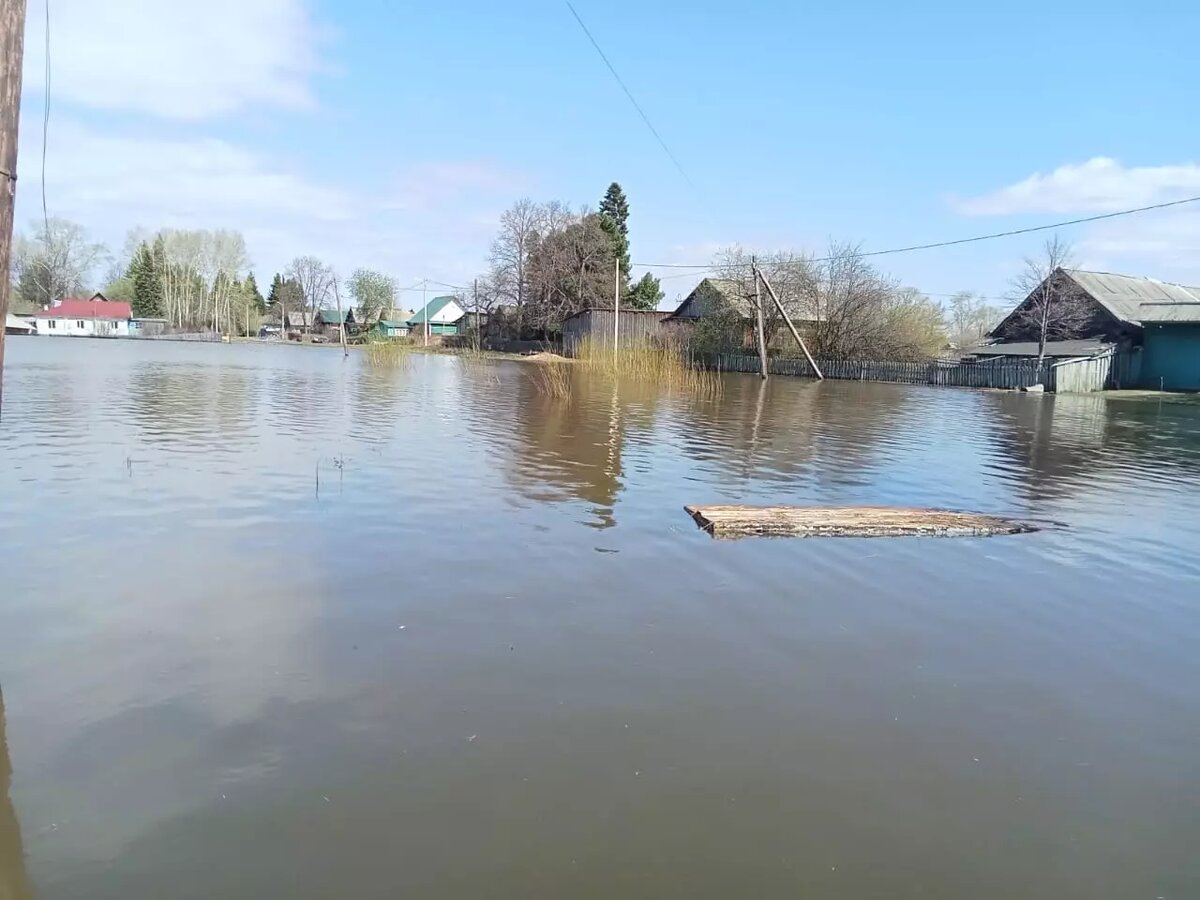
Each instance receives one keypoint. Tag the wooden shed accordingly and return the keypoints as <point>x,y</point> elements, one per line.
<point>596,325</point>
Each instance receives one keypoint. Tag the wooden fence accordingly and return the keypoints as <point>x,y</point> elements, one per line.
<point>1010,375</point>
<point>1107,371</point>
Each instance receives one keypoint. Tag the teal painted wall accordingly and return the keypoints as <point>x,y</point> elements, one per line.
<point>1171,357</point>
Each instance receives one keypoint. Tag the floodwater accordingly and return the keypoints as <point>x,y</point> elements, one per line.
<point>274,624</point>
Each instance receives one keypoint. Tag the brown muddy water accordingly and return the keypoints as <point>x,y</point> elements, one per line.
<point>488,655</point>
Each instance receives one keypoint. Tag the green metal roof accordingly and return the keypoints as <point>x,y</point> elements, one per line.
<point>331,315</point>
<point>432,308</point>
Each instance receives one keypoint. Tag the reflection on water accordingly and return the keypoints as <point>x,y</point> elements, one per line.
<point>14,885</point>
<point>491,656</point>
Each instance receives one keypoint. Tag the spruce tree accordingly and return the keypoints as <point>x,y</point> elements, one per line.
<point>250,287</point>
<point>147,286</point>
<point>614,220</point>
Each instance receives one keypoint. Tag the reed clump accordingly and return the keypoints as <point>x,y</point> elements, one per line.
<point>551,378</point>
<point>389,354</point>
<point>649,363</point>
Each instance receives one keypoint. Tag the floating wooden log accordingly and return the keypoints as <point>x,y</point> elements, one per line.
<point>847,521</point>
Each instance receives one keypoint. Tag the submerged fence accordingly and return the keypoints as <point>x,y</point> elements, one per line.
<point>1009,374</point>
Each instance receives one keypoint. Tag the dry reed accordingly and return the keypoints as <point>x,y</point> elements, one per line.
<point>552,379</point>
<point>388,354</point>
<point>649,363</point>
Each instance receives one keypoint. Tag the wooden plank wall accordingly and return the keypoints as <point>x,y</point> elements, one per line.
<point>597,324</point>
<point>1098,373</point>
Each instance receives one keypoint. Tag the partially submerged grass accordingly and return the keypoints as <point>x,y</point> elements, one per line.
<point>389,354</point>
<point>551,378</point>
<point>649,363</point>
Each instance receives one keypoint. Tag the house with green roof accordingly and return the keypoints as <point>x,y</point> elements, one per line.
<point>444,315</point>
<point>330,321</point>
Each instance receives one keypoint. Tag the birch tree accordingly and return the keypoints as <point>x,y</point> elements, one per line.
<point>1052,306</point>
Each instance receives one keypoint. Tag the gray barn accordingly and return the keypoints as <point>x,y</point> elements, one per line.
<point>636,326</point>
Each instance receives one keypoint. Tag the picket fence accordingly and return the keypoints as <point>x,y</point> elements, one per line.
<point>1009,374</point>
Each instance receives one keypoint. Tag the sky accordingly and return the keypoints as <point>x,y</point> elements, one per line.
<point>392,135</point>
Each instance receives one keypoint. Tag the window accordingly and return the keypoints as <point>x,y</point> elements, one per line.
<point>53,323</point>
<point>79,324</point>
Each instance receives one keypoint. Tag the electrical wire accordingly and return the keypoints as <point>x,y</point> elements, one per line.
<point>628,93</point>
<point>958,241</point>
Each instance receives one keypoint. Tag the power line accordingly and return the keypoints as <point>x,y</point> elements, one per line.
<point>46,130</point>
<point>968,240</point>
<point>641,112</point>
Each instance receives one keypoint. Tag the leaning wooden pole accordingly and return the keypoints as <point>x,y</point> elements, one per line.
<point>337,296</point>
<point>759,325</point>
<point>792,328</point>
<point>12,45</point>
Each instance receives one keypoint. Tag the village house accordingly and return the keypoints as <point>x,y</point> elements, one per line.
<point>393,323</point>
<point>328,324</point>
<point>1110,315</point>
<point>94,317</point>
<point>298,321</point>
<point>721,296</point>
<point>444,314</point>
<point>1154,324</point>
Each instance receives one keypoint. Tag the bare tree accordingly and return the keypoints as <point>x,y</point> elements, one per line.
<point>520,225</point>
<point>315,280</point>
<point>57,262</point>
<point>1052,306</point>
<point>569,269</point>
<point>968,319</point>
<point>789,273</point>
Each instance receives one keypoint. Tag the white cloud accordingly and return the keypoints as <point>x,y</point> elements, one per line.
<point>1096,186</point>
<point>437,222</point>
<point>176,59</point>
<point>1165,245</point>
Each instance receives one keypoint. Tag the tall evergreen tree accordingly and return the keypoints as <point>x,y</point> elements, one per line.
<point>250,287</point>
<point>616,207</point>
<point>147,283</point>
<point>273,293</point>
<point>614,219</point>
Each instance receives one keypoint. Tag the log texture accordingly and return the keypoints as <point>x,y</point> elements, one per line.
<point>847,521</point>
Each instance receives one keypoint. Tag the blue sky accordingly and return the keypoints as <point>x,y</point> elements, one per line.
<point>391,135</point>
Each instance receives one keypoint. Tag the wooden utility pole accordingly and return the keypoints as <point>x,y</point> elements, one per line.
<point>475,306</point>
<point>337,296</point>
<point>760,326</point>
<point>425,308</point>
<point>12,46</point>
<point>792,328</point>
<point>616,311</point>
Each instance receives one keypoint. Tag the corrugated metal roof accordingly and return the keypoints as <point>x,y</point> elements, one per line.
<point>435,306</point>
<point>1171,312</point>
<point>87,309</point>
<point>1123,295</point>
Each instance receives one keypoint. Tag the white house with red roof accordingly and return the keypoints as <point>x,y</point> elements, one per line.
<point>95,317</point>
